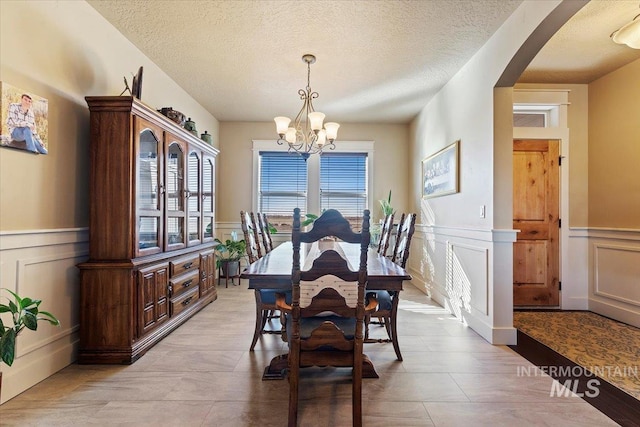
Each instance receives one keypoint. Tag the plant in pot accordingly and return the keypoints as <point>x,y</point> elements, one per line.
<point>386,207</point>
<point>228,256</point>
<point>25,313</point>
<point>308,219</point>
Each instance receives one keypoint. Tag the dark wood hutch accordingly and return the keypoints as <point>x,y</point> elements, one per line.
<point>152,223</point>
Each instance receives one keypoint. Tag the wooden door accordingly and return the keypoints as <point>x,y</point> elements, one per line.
<point>535,213</point>
<point>152,297</point>
<point>207,273</point>
<point>194,198</point>
<point>208,198</point>
<point>174,194</point>
<point>149,188</point>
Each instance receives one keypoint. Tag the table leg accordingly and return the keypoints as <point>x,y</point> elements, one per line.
<point>277,369</point>
<point>394,327</point>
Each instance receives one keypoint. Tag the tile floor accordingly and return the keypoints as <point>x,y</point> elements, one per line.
<point>203,375</point>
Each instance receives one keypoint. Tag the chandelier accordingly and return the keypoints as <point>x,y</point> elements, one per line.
<point>307,135</point>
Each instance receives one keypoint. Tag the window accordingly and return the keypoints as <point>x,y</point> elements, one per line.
<point>343,184</point>
<point>283,186</point>
<point>532,120</point>
<point>338,179</point>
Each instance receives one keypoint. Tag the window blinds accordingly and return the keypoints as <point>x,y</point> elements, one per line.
<point>343,183</point>
<point>283,183</point>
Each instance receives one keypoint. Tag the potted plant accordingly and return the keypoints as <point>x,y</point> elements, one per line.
<point>228,256</point>
<point>309,218</point>
<point>25,313</point>
<point>387,209</point>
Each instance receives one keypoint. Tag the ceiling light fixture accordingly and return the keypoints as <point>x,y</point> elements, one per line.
<point>628,34</point>
<point>307,135</point>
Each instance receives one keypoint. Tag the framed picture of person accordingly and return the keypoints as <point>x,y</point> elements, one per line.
<point>25,124</point>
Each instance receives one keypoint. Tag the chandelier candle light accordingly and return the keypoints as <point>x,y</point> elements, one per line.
<point>307,135</point>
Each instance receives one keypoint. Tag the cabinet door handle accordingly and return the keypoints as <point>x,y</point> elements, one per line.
<point>187,265</point>
<point>187,283</point>
<point>187,301</point>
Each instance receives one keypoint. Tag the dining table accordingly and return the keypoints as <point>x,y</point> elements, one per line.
<point>273,271</point>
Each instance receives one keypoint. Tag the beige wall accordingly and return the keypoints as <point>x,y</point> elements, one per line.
<point>467,259</point>
<point>614,149</point>
<point>235,162</point>
<point>63,51</point>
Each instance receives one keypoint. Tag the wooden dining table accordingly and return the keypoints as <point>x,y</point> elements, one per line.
<point>273,271</point>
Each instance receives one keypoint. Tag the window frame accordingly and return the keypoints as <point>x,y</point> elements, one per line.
<point>313,169</point>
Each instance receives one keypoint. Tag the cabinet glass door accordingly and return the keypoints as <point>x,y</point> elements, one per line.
<point>149,190</point>
<point>208,198</point>
<point>175,199</point>
<point>194,199</point>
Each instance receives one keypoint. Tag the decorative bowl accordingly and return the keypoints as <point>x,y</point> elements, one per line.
<point>173,115</point>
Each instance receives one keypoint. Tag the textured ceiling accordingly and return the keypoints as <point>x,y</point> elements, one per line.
<point>582,51</point>
<point>377,61</point>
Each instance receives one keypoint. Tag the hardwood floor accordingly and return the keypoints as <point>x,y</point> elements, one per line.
<point>204,375</point>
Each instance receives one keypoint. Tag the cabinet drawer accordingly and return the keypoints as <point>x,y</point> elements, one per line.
<point>180,265</point>
<point>184,283</point>
<point>184,301</point>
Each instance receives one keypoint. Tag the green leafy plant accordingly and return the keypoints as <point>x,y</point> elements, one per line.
<point>229,250</point>
<point>272,228</point>
<point>25,313</point>
<point>308,219</point>
<point>387,209</point>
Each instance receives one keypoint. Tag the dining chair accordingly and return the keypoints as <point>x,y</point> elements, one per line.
<point>387,311</point>
<point>325,319</point>
<point>385,234</point>
<point>265,233</point>
<point>251,237</point>
<point>265,298</point>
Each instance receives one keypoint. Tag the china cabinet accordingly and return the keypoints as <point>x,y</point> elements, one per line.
<point>152,222</point>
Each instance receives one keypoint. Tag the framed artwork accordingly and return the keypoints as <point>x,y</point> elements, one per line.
<point>24,120</point>
<point>440,172</point>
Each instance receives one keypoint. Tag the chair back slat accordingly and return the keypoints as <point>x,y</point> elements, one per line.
<point>251,237</point>
<point>385,234</point>
<point>265,233</point>
<point>403,240</point>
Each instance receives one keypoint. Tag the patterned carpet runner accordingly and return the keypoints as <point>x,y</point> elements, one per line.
<point>607,348</point>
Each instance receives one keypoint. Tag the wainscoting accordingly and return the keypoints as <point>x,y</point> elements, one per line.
<point>460,269</point>
<point>614,274</point>
<point>463,270</point>
<point>41,264</point>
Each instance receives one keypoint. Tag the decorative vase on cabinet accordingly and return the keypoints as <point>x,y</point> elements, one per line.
<point>152,222</point>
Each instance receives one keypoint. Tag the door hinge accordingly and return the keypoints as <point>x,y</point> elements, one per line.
<point>559,223</point>
<point>559,286</point>
<point>559,160</point>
